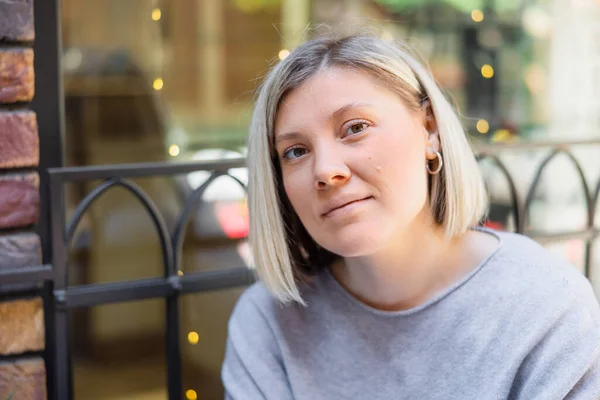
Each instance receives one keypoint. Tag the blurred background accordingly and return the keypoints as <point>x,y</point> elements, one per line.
<point>173,80</point>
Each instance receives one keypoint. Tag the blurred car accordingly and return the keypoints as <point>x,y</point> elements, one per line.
<point>223,211</point>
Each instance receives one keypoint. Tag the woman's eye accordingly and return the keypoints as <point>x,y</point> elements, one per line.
<point>356,128</point>
<point>293,153</point>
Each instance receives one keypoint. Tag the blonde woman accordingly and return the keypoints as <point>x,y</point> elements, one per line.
<point>374,281</point>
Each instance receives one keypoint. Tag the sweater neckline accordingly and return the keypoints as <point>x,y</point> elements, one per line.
<point>331,282</point>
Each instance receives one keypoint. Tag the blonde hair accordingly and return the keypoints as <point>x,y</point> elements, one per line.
<point>283,252</point>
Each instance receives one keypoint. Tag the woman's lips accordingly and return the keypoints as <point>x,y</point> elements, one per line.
<point>347,208</point>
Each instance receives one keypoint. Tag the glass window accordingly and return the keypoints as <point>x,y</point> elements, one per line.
<point>158,80</point>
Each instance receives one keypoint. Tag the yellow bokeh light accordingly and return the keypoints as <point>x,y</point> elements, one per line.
<point>193,337</point>
<point>174,150</point>
<point>487,71</point>
<point>191,395</point>
<point>483,126</point>
<point>158,84</point>
<point>156,14</point>
<point>502,135</point>
<point>477,15</point>
<point>283,54</point>
<point>180,273</point>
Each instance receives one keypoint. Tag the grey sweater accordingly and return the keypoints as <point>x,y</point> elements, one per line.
<point>522,325</point>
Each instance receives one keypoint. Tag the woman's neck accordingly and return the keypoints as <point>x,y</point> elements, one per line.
<point>413,268</point>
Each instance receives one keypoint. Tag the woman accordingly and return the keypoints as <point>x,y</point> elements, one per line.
<point>374,282</point>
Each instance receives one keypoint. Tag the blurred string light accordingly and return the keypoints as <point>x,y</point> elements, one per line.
<point>180,273</point>
<point>193,337</point>
<point>283,54</point>
<point>477,15</point>
<point>174,150</point>
<point>502,135</point>
<point>155,67</point>
<point>483,126</point>
<point>158,84</point>
<point>191,395</point>
<point>72,59</point>
<point>487,71</point>
<point>156,14</point>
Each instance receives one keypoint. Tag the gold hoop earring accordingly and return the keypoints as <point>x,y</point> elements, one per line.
<point>440,163</point>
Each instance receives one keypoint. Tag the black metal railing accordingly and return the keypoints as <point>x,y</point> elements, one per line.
<point>521,208</point>
<point>171,285</point>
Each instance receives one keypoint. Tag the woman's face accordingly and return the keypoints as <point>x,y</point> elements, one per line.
<point>353,160</point>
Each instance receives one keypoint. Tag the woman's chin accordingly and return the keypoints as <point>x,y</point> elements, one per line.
<point>354,246</point>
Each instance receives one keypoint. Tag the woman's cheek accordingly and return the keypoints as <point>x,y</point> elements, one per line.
<point>295,186</point>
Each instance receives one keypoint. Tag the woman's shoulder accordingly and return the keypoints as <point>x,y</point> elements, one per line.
<point>258,306</point>
<point>524,267</point>
<point>255,301</point>
<point>524,254</point>
<point>547,310</point>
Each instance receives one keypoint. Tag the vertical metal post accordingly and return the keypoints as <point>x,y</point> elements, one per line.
<point>48,104</point>
<point>172,308</point>
<point>173,349</point>
<point>587,267</point>
<point>62,362</point>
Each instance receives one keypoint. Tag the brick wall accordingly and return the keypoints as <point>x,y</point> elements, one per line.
<point>22,372</point>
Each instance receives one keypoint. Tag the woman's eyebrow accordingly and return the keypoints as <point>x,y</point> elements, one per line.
<point>340,111</point>
<point>287,136</point>
<point>343,109</point>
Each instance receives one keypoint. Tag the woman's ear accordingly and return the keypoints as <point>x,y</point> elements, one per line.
<point>431,130</point>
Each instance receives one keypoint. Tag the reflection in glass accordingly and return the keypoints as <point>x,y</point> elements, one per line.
<point>119,352</point>
<point>170,81</point>
<point>203,328</point>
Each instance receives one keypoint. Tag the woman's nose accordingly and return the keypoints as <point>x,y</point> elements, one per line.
<point>330,170</point>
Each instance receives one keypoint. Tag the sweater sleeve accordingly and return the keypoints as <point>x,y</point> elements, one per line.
<point>253,367</point>
<point>565,362</point>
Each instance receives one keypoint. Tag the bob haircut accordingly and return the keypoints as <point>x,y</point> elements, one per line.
<point>284,254</point>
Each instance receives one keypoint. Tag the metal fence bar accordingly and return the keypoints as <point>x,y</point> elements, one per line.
<point>216,280</point>
<point>48,104</point>
<point>141,170</point>
<point>496,148</point>
<point>547,238</point>
<point>27,274</point>
<point>173,356</point>
<point>114,292</point>
<point>62,363</point>
<point>516,204</point>
<point>142,289</point>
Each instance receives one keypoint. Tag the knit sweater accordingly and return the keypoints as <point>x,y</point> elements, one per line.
<point>522,325</point>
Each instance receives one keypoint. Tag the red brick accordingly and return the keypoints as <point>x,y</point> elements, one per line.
<point>19,200</point>
<point>22,324</point>
<point>25,379</point>
<point>16,75</point>
<point>19,141</point>
<point>16,20</point>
